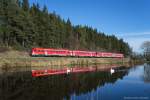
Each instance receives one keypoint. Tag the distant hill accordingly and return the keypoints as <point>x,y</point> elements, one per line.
<point>23,27</point>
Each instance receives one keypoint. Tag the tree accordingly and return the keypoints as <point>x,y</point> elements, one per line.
<point>146,48</point>
<point>25,5</point>
<point>69,34</point>
<point>24,26</point>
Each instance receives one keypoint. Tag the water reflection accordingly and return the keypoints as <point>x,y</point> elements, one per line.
<point>22,86</point>
<point>147,73</point>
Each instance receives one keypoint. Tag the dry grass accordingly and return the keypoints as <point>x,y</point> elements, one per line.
<point>16,58</point>
<point>14,54</point>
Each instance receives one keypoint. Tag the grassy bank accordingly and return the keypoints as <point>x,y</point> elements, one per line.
<point>18,59</point>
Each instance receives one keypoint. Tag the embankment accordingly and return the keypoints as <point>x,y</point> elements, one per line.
<point>18,59</point>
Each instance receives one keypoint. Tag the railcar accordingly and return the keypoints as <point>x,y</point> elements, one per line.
<point>50,52</point>
<point>118,55</point>
<point>83,53</point>
<point>37,52</point>
<point>57,52</point>
<point>106,54</point>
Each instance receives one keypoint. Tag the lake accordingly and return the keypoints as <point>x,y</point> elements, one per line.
<point>126,83</point>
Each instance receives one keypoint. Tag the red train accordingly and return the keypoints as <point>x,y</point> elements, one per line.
<point>72,53</point>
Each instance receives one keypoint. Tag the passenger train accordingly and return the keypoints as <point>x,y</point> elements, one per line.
<point>72,53</point>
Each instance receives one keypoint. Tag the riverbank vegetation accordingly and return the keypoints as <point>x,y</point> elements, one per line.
<point>146,48</point>
<point>23,26</point>
<point>58,61</point>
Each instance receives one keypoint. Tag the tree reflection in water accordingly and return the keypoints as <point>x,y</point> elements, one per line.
<point>147,73</point>
<point>22,86</point>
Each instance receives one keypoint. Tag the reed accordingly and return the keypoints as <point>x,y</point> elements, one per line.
<point>58,61</point>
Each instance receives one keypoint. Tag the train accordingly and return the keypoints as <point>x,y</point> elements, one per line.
<point>73,53</point>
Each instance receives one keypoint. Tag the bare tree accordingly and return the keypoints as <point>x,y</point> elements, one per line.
<point>146,48</point>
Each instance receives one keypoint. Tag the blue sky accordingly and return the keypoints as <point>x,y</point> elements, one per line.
<point>127,19</point>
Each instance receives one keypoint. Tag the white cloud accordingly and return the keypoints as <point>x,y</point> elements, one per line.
<point>135,40</point>
<point>137,35</point>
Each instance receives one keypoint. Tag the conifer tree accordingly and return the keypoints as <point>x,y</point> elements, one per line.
<point>23,26</point>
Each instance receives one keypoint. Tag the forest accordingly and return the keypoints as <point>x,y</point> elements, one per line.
<point>24,26</point>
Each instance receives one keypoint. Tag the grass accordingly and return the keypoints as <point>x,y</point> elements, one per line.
<point>57,61</point>
<point>18,59</point>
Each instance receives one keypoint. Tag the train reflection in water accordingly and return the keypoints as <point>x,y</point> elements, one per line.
<point>74,69</point>
<point>22,86</point>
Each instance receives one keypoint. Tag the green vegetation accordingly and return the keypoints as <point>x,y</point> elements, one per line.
<point>23,27</point>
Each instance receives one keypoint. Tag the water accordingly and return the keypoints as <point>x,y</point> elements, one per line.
<point>125,84</point>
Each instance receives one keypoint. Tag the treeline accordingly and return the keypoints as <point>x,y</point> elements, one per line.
<point>146,48</point>
<point>23,26</point>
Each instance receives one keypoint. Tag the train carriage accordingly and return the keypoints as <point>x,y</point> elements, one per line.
<point>118,55</point>
<point>37,52</point>
<point>105,54</point>
<point>83,53</point>
<point>50,52</point>
<point>58,52</point>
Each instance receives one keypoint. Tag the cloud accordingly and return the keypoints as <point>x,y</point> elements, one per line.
<point>135,40</point>
<point>135,43</point>
<point>133,35</point>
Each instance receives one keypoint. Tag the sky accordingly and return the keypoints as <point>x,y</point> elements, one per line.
<point>127,19</point>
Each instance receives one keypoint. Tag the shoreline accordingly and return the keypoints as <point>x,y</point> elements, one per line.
<point>22,59</point>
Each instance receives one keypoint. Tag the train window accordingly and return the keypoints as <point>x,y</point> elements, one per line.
<point>40,50</point>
